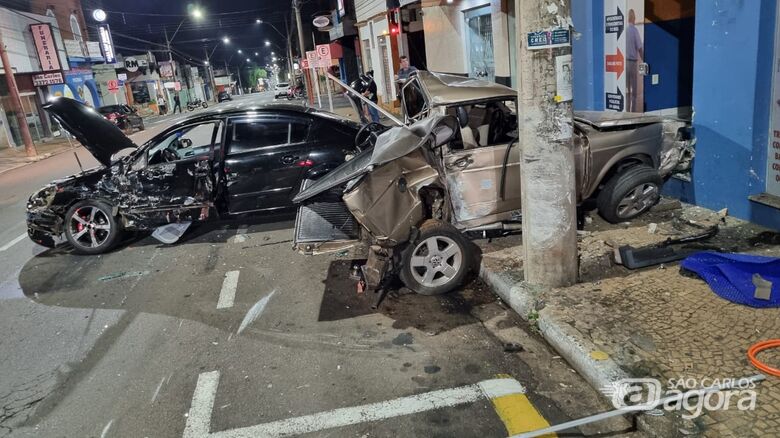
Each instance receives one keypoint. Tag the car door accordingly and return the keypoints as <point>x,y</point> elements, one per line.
<point>265,157</point>
<point>174,174</point>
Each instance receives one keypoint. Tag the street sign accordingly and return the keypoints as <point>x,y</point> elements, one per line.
<point>615,101</point>
<point>323,55</point>
<point>313,59</point>
<point>304,63</point>
<point>549,39</point>
<point>615,23</point>
<point>615,63</point>
<point>113,85</point>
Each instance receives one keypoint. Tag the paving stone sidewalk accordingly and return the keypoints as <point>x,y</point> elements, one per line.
<point>654,322</point>
<point>12,158</point>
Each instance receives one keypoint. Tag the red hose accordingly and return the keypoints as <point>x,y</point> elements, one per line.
<point>759,347</point>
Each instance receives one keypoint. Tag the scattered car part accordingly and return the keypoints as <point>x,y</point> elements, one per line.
<point>664,252</point>
<point>171,233</point>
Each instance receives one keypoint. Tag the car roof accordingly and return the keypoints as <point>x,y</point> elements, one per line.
<point>447,89</point>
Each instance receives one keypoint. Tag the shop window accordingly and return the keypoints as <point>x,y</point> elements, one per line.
<point>479,39</point>
<point>75,28</point>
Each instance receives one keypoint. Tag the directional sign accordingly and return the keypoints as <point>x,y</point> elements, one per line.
<point>615,23</point>
<point>615,101</point>
<point>615,63</point>
<point>548,39</point>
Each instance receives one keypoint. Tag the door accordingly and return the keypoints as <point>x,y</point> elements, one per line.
<point>175,174</point>
<point>474,183</point>
<point>264,162</point>
<point>479,43</point>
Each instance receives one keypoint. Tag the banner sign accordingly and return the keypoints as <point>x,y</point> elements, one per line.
<point>44,43</point>
<point>623,49</point>
<point>44,79</point>
<point>106,43</point>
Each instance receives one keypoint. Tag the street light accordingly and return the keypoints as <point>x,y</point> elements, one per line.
<point>206,62</point>
<point>197,13</point>
<point>248,60</point>
<point>99,15</point>
<point>226,40</point>
<point>258,21</point>
<point>239,50</point>
<point>267,43</point>
<point>255,53</point>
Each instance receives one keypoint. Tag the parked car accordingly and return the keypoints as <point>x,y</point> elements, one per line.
<point>281,89</point>
<point>223,96</point>
<point>217,164</point>
<point>124,117</point>
<point>406,202</point>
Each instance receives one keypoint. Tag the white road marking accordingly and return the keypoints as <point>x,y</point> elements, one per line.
<point>255,312</point>
<point>199,417</point>
<point>228,293</point>
<point>105,429</point>
<point>157,391</point>
<point>13,242</point>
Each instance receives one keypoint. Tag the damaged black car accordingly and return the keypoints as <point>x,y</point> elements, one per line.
<point>217,165</point>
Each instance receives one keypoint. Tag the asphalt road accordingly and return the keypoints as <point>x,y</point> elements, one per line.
<point>231,332</point>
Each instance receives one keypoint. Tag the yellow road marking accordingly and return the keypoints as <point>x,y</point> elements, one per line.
<point>518,413</point>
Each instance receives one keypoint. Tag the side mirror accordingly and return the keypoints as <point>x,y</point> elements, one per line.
<point>444,131</point>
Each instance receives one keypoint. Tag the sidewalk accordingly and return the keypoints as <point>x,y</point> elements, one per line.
<point>652,322</point>
<point>13,158</point>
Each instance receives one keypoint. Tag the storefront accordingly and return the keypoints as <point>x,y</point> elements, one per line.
<point>79,85</point>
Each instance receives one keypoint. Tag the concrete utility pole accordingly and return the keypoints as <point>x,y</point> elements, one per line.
<point>16,101</point>
<point>547,159</point>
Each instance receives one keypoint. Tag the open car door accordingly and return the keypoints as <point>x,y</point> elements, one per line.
<point>173,179</point>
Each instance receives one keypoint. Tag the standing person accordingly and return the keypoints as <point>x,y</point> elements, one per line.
<point>635,53</point>
<point>404,71</point>
<point>370,93</point>
<point>176,103</point>
<point>161,105</point>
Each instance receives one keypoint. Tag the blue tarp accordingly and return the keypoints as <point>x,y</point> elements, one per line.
<point>731,276</point>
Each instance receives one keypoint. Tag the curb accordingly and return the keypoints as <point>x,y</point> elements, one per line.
<point>569,342</point>
<point>38,159</point>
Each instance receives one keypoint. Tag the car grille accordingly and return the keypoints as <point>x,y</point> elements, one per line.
<point>325,218</point>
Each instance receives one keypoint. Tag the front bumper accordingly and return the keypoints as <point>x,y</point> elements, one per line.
<point>44,226</point>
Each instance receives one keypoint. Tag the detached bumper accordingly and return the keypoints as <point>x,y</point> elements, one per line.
<point>44,227</point>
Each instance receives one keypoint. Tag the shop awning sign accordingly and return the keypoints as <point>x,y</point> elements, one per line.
<point>44,79</point>
<point>106,43</point>
<point>44,43</point>
<point>549,39</point>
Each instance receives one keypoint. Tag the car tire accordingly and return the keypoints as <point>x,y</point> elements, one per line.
<point>629,193</point>
<point>425,271</point>
<point>91,228</point>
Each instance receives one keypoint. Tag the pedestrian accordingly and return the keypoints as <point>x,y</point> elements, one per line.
<point>371,94</point>
<point>405,70</point>
<point>176,103</point>
<point>161,105</point>
<point>635,54</point>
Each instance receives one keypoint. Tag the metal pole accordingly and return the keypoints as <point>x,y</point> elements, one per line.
<point>317,85</point>
<point>547,157</point>
<point>301,48</point>
<point>16,101</point>
<point>330,98</point>
<point>388,114</point>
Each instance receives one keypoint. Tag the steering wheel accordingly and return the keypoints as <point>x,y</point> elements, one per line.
<point>169,154</point>
<point>368,134</point>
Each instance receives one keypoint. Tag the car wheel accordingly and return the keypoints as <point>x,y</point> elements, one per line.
<point>91,228</point>
<point>437,261</point>
<point>629,193</point>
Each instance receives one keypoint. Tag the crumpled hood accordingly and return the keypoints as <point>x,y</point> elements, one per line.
<point>390,145</point>
<point>98,135</point>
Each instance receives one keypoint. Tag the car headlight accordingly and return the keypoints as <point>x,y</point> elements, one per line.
<point>43,197</point>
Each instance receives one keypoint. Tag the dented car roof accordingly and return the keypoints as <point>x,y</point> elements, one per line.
<point>446,89</point>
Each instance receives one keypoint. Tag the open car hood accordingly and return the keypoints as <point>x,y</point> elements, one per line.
<point>390,145</point>
<point>98,135</point>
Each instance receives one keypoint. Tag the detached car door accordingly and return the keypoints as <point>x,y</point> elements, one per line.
<point>174,175</point>
<point>265,158</point>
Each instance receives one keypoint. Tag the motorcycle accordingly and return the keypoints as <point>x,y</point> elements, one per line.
<point>297,92</point>
<point>193,104</point>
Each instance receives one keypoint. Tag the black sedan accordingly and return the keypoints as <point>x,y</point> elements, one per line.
<point>217,164</point>
<point>123,116</point>
<point>223,96</point>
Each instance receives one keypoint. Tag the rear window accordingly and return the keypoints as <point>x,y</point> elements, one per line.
<point>282,85</point>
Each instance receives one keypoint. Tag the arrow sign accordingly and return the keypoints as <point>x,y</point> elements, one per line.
<point>615,101</point>
<point>616,63</point>
<point>615,23</point>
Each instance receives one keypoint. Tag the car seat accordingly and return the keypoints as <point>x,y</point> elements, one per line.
<point>466,132</point>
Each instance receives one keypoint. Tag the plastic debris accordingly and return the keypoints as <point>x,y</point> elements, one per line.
<point>171,233</point>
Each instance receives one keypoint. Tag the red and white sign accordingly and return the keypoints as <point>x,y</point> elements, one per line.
<point>323,55</point>
<point>313,59</point>
<point>44,43</point>
<point>113,86</point>
<point>44,79</point>
<point>304,63</point>
<point>166,69</point>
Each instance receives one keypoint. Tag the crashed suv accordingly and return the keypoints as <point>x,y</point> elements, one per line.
<point>405,203</point>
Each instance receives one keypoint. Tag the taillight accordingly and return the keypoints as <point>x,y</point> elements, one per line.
<point>305,163</point>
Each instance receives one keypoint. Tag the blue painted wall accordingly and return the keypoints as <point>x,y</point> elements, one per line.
<point>588,54</point>
<point>732,83</point>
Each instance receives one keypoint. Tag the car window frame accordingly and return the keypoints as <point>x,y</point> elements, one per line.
<point>144,155</point>
<point>243,119</point>
<point>425,104</point>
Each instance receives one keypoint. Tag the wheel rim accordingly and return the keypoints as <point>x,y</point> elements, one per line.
<point>637,200</point>
<point>436,261</point>
<point>89,227</point>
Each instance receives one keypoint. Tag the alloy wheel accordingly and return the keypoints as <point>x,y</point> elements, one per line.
<point>638,200</point>
<point>436,261</point>
<point>90,227</point>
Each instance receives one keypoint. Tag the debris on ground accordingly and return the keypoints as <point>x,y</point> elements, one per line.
<point>732,277</point>
<point>118,275</point>
<point>171,233</point>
